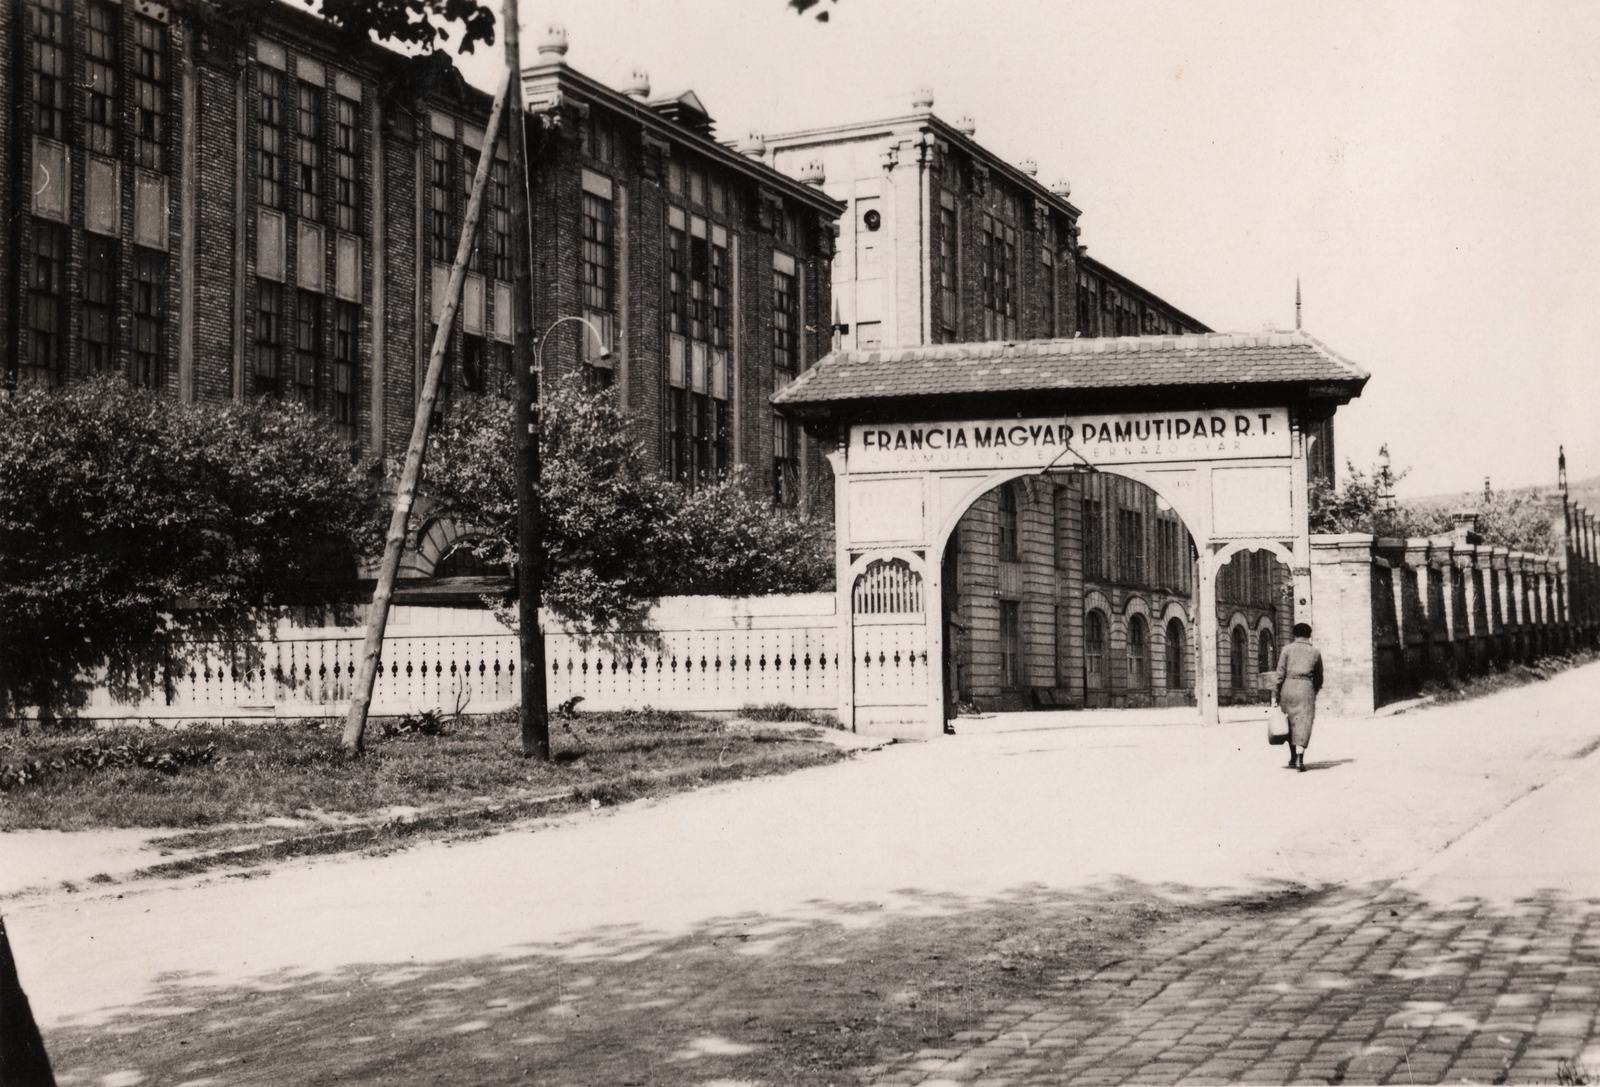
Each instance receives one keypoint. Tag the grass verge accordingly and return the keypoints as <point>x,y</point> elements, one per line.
<point>267,785</point>
<point>1512,675</point>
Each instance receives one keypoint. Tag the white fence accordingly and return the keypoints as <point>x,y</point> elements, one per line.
<point>710,654</point>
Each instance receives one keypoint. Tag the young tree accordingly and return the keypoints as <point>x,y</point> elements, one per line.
<point>617,535</point>
<point>131,526</point>
<point>1521,521</point>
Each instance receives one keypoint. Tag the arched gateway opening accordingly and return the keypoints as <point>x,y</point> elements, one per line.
<point>949,458</point>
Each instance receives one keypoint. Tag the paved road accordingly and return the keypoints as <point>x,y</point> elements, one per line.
<point>1375,978</point>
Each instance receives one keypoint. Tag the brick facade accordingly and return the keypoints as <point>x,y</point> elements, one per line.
<point>255,205</point>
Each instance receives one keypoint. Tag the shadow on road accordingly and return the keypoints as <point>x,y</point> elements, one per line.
<point>1129,982</point>
<point>1327,764</point>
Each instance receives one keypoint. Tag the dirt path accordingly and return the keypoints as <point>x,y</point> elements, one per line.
<point>823,927</point>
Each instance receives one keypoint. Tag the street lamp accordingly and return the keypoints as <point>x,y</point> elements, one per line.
<point>538,350</point>
<point>530,527</point>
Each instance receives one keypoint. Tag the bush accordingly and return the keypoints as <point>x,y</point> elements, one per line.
<point>617,535</point>
<point>132,525</point>
<point>92,757</point>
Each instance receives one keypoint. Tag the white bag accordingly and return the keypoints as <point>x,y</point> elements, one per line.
<point>1277,724</point>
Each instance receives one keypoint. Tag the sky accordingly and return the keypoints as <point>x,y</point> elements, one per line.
<point>1427,170</point>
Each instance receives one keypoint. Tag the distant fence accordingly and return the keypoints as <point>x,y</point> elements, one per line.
<point>1393,615</point>
<point>709,654</point>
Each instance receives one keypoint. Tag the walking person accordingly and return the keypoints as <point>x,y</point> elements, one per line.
<point>1299,680</point>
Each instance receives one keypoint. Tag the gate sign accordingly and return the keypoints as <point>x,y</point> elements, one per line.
<point>1139,438</point>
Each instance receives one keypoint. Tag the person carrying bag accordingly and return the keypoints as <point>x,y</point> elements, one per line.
<point>1299,680</point>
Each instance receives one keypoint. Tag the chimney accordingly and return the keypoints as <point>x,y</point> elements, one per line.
<point>1464,527</point>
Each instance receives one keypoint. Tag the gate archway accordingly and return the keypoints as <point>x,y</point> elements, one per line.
<point>1217,426</point>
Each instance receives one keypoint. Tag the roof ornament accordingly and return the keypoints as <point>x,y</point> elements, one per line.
<point>1029,167</point>
<point>966,125</point>
<point>922,100</point>
<point>813,173</point>
<point>553,44</point>
<point>1062,188</point>
<point>754,145</point>
<point>638,85</point>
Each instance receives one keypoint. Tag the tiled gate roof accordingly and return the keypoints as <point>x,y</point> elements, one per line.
<point>1101,363</point>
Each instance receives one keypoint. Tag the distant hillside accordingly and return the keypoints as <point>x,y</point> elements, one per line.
<point>1585,493</point>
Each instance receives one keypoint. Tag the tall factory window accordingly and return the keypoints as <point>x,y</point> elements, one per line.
<point>149,314</point>
<point>99,303</point>
<point>150,93</point>
<point>269,166</point>
<point>100,79</point>
<point>50,68</point>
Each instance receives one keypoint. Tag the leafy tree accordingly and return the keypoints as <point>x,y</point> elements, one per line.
<point>131,525</point>
<point>617,535</point>
<point>411,22</point>
<point>1521,521</point>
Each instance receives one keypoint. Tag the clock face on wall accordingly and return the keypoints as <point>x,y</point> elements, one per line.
<point>872,220</point>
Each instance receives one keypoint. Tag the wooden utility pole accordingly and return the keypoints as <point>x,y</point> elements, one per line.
<point>355,725</point>
<point>530,536</point>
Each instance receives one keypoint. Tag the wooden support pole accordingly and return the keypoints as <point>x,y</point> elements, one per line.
<point>530,535</point>
<point>355,725</point>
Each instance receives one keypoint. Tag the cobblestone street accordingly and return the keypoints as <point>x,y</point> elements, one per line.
<point>1358,987</point>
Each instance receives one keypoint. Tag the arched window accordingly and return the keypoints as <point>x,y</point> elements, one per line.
<point>1094,648</point>
<point>1175,654</point>
<point>1266,657</point>
<point>1239,644</point>
<point>1138,653</point>
<point>1008,523</point>
<point>462,561</point>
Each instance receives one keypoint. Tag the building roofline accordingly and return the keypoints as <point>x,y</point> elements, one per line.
<point>929,119</point>
<point>562,77</point>
<point>1124,283</point>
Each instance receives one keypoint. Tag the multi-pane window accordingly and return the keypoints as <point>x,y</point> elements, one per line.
<point>677,279</point>
<point>1175,653</point>
<point>100,79</point>
<point>500,215</point>
<point>307,346</point>
<point>269,334</point>
<point>1264,652</point>
<point>699,281</point>
<point>721,285</point>
<point>999,277</point>
<point>50,68</point>
<point>308,162</point>
<point>346,320</point>
<point>597,139</point>
<point>785,461</point>
<point>1094,648</point>
<point>150,93</point>
<point>1010,643</point>
<point>598,259</point>
<point>474,362</point>
<point>346,154</point>
<point>269,166</point>
<point>949,317</point>
<point>1086,306</point>
<point>1008,524</point>
<point>1047,276</point>
<point>441,245</point>
<point>1237,642</point>
<point>47,310</point>
<point>149,314</point>
<point>477,260</point>
<point>785,321</point>
<point>1169,554</point>
<point>1094,539</point>
<point>99,302</point>
<point>1138,652</point>
<point>1130,545</point>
